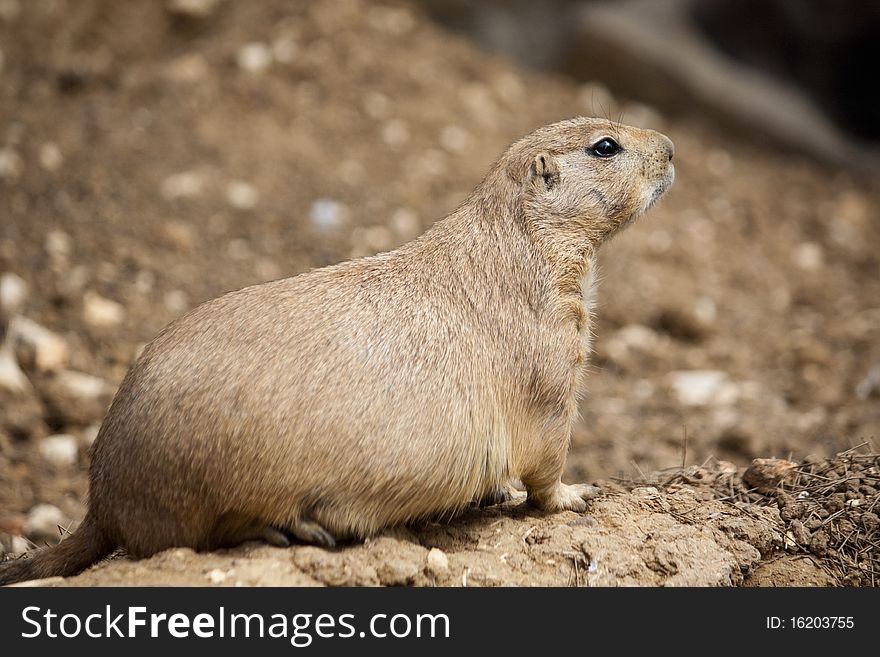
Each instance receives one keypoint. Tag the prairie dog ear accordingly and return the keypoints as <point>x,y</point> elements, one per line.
<point>545,168</point>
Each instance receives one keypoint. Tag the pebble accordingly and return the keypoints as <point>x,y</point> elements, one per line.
<point>254,57</point>
<point>216,576</point>
<point>176,301</point>
<point>49,351</point>
<point>703,387</point>
<point>101,312</point>
<point>705,310</point>
<point>60,450</point>
<point>83,386</point>
<point>188,69</point>
<point>870,385</point>
<point>90,433</point>
<point>327,214</point>
<point>395,132</point>
<point>378,238</point>
<point>242,195</point>
<point>437,562</point>
<point>809,256</point>
<point>11,164</point>
<point>183,185</point>
<point>405,223</point>
<point>377,105</point>
<point>180,235</point>
<point>58,244</point>
<point>13,292</point>
<point>454,138</point>
<point>50,156</point>
<point>632,338</point>
<point>18,545</point>
<point>284,50</point>
<point>12,379</point>
<point>42,522</point>
<point>192,8</point>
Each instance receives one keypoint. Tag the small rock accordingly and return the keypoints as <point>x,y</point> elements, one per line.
<point>188,69</point>
<point>183,185</point>
<point>176,301</point>
<point>216,576</point>
<point>83,386</point>
<point>284,50</point>
<point>870,385</point>
<point>254,57</point>
<point>242,195</point>
<point>51,158</point>
<point>13,292</point>
<point>646,492</point>
<point>327,214</point>
<point>11,164</point>
<point>191,8</point>
<point>377,105</point>
<point>12,378</point>
<point>809,256</point>
<point>180,235</point>
<point>395,132</point>
<point>405,223</point>
<point>437,562</point>
<point>37,345</point>
<point>90,433</point>
<point>60,450</point>
<point>101,312</point>
<point>703,387</point>
<point>378,238</point>
<point>18,545</point>
<point>58,244</point>
<point>454,138</point>
<point>76,398</point>
<point>706,311</point>
<point>631,340</point>
<point>42,523</point>
<point>767,474</point>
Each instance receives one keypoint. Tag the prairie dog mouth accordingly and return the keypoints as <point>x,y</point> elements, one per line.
<point>660,188</point>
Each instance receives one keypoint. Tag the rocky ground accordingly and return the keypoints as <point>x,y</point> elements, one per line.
<point>152,157</point>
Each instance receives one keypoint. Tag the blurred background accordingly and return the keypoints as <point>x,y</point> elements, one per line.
<point>155,154</point>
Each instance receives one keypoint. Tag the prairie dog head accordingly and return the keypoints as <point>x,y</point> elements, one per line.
<point>590,177</point>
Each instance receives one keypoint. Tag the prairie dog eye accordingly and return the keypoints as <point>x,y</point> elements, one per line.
<point>605,147</point>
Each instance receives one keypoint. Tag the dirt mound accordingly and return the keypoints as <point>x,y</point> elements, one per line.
<point>699,526</point>
<point>151,160</point>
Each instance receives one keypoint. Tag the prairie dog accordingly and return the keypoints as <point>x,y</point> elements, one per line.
<point>380,390</point>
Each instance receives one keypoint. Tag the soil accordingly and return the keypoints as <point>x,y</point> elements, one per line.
<point>151,160</point>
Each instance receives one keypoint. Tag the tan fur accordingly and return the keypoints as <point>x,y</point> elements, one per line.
<point>385,389</point>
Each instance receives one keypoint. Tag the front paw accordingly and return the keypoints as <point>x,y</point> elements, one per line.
<point>565,497</point>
